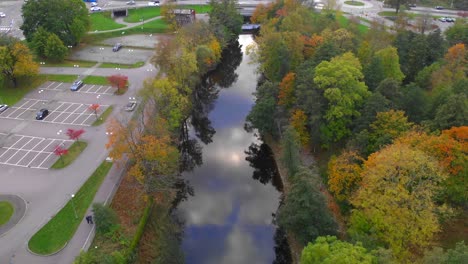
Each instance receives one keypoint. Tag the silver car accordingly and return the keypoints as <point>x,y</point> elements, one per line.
<point>3,107</point>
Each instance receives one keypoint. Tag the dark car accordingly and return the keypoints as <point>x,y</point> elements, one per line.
<point>42,114</point>
<point>439,7</point>
<point>117,47</point>
<point>3,107</point>
<point>76,85</point>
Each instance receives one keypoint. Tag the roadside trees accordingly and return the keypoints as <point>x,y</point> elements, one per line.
<point>16,61</point>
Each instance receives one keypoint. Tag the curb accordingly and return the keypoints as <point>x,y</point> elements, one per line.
<point>21,219</point>
<point>48,255</point>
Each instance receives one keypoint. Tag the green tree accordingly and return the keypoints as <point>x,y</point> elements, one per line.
<point>330,250</point>
<point>374,73</point>
<point>105,218</point>
<point>16,61</point>
<point>454,112</point>
<point>396,203</point>
<point>390,89</point>
<point>226,20</point>
<point>396,4</point>
<point>457,33</point>
<point>290,156</point>
<point>391,63</point>
<point>54,49</point>
<point>263,113</point>
<point>459,254</point>
<point>341,81</point>
<point>39,41</point>
<point>305,212</point>
<point>72,16</point>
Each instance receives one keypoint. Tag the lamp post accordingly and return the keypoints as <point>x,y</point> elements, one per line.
<point>73,205</point>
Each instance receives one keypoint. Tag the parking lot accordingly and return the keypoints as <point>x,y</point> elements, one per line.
<point>68,113</point>
<point>29,151</point>
<point>87,88</point>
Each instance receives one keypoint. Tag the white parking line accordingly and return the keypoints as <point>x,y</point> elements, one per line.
<point>11,146</point>
<point>52,83</point>
<point>42,151</point>
<point>17,150</point>
<point>31,150</point>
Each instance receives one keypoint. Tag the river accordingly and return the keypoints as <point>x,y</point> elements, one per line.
<point>229,219</point>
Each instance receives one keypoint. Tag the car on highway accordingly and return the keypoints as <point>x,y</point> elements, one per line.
<point>130,106</point>
<point>131,2</point>
<point>3,107</point>
<point>154,3</point>
<point>117,47</point>
<point>76,86</point>
<point>95,9</point>
<point>41,114</point>
<point>2,14</point>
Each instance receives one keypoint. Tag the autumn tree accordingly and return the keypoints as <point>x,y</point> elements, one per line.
<point>396,203</point>
<point>16,61</point>
<point>118,81</point>
<point>298,122</point>
<point>330,250</point>
<point>59,151</point>
<point>94,108</point>
<point>344,174</point>
<point>286,92</point>
<point>75,134</point>
<point>305,212</point>
<point>341,80</point>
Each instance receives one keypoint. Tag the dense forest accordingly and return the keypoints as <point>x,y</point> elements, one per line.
<point>383,115</point>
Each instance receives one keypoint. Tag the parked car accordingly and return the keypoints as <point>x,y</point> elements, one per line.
<point>130,106</point>
<point>450,19</point>
<point>95,9</point>
<point>42,114</point>
<point>439,7</point>
<point>2,14</point>
<point>131,2</point>
<point>412,5</point>
<point>443,19</point>
<point>117,47</point>
<point>76,86</point>
<point>3,107</point>
<point>153,3</point>
<point>93,4</point>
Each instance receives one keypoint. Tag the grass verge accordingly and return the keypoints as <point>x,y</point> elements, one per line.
<point>354,3</point>
<point>73,152</point>
<point>11,95</point>
<point>122,66</point>
<point>70,63</point>
<point>134,15</point>
<point>102,118</point>
<point>344,22</point>
<point>103,21</point>
<point>99,80</point>
<point>6,211</point>
<point>60,229</point>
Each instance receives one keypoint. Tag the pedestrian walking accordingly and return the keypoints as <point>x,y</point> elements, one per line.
<point>88,219</point>
<point>91,219</point>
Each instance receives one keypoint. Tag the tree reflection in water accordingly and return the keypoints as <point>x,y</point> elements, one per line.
<point>261,159</point>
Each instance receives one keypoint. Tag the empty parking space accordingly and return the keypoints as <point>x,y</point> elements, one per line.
<point>87,88</point>
<point>30,152</point>
<point>59,112</point>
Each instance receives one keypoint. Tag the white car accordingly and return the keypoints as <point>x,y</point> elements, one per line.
<point>153,3</point>
<point>95,8</point>
<point>3,107</point>
<point>130,106</point>
<point>93,4</point>
<point>132,2</point>
<point>2,14</point>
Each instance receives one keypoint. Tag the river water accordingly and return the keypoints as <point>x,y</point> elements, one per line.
<point>229,217</point>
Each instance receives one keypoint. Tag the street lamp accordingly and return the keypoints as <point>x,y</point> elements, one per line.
<point>73,205</point>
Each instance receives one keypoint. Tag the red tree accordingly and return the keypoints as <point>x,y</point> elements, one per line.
<point>119,81</point>
<point>75,134</point>
<point>94,108</point>
<point>59,151</point>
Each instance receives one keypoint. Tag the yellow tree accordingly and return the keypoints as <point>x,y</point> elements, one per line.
<point>396,199</point>
<point>344,174</point>
<point>16,61</point>
<point>286,92</point>
<point>298,121</point>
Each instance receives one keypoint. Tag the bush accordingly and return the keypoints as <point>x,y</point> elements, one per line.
<point>105,218</point>
<point>140,229</point>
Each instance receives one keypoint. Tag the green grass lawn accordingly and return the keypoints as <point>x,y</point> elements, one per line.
<point>102,118</point>
<point>103,21</point>
<point>354,3</point>
<point>61,228</point>
<point>6,211</point>
<point>152,27</point>
<point>11,95</point>
<point>70,63</point>
<point>344,22</point>
<point>387,13</point>
<point>73,152</point>
<point>99,80</point>
<point>134,15</point>
<point>122,66</point>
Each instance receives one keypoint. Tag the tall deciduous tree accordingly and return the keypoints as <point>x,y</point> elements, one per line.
<point>397,199</point>
<point>69,19</point>
<point>226,20</point>
<point>286,92</point>
<point>341,80</point>
<point>391,63</point>
<point>16,61</point>
<point>305,212</point>
<point>262,115</point>
<point>298,122</point>
<point>330,250</point>
<point>344,174</point>
<point>54,48</point>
